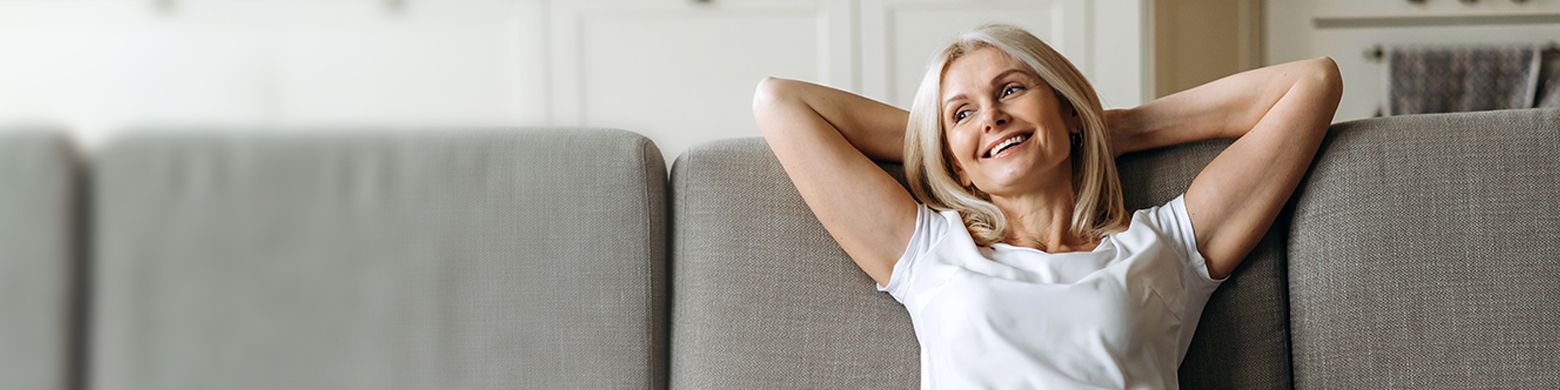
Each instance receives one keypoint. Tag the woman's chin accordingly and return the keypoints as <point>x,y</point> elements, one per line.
<point>1021,175</point>
<point>1010,185</point>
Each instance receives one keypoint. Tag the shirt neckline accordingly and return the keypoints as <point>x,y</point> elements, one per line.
<point>1097,248</point>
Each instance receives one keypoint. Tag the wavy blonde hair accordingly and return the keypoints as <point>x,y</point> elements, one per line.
<point>929,169</point>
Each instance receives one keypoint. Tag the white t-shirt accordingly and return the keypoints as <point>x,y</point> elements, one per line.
<point>1005,317</point>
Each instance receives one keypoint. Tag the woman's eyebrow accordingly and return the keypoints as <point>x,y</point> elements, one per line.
<point>950,100</point>
<point>1004,75</point>
<point>994,81</point>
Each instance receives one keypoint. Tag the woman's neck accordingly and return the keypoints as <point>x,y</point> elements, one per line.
<point>1043,220</point>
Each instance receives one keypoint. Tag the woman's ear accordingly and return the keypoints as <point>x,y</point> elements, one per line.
<point>958,174</point>
<point>1069,114</point>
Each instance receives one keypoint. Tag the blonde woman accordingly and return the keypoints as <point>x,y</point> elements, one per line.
<point>1012,251</point>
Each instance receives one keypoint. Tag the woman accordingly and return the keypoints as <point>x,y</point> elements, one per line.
<point>1019,266</point>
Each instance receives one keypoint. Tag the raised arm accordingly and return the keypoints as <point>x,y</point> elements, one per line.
<point>824,138</point>
<point>1278,113</point>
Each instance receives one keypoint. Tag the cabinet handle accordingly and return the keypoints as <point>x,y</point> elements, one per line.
<point>1470,2</point>
<point>165,7</point>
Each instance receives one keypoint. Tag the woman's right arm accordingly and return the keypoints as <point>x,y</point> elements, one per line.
<point>826,140</point>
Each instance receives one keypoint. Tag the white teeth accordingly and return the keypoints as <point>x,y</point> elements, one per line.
<point>1005,144</point>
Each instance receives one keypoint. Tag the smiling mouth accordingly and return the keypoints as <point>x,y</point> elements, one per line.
<point>1006,144</point>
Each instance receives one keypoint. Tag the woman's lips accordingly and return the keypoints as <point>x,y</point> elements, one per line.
<point>1002,147</point>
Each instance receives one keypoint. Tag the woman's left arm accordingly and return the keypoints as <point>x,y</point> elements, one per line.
<point>1278,113</point>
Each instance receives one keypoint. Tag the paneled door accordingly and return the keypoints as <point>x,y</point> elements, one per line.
<point>104,66</point>
<point>684,72</point>
<point>414,63</point>
<point>1104,39</point>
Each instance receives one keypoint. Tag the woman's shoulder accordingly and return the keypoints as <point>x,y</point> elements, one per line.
<point>1171,212</point>
<point>933,223</point>
<point>1171,225</point>
<point>1165,222</point>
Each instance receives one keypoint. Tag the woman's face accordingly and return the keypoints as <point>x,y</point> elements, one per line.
<point>1006,128</point>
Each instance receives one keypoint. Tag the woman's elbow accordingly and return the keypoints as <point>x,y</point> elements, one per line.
<point>772,99</point>
<point>1327,76</point>
<point>768,92</point>
<point>1321,86</point>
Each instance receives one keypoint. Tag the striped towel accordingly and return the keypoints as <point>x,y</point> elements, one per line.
<point>1455,79</point>
<point>1549,80</point>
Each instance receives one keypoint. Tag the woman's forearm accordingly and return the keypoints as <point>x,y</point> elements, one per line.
<point>874,128</point>
<point>1225,108</point>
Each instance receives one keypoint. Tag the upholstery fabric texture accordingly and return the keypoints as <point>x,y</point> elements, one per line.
<point>764,297</point>
<point>439,258</point>
<point>1424,255</point>
<point>1242,341</point>
<point>39,260</point>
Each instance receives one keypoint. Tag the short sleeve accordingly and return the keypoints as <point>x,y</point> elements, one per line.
<point>929,227</point>
<point>1176,224</point>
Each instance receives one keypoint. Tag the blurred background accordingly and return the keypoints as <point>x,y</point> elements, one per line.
<point>678,71</point>
<point>225,254</point>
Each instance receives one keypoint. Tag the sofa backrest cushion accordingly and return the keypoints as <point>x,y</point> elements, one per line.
<point>450,259</point>
<point>39,260</point>
<point>1242,340</point>
<point>1425,254</point>
<point>764,297</point>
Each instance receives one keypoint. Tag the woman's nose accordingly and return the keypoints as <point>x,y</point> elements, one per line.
<point>993,119</point>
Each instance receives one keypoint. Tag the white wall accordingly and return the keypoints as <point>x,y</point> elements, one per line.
<point>682,72</point>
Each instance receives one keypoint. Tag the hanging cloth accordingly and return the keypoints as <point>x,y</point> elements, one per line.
<point>1424,80</point>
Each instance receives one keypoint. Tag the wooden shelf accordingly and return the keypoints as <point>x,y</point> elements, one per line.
<point>1341,22</point>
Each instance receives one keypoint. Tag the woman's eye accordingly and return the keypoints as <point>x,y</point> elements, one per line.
<point>959,116</point>
<point>1011,90</point>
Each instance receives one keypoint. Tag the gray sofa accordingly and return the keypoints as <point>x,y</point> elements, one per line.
<point>1420,252</point>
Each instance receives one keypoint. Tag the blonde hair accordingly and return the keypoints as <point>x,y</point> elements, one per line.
<point>1098,210</point>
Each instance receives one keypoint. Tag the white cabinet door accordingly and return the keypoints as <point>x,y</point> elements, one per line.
<point>95,66</point>
<point>444,63</point>
<point>101,66</point>
<point>899,37</point>
<point>683,72</point>
<point>1104,39</point>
